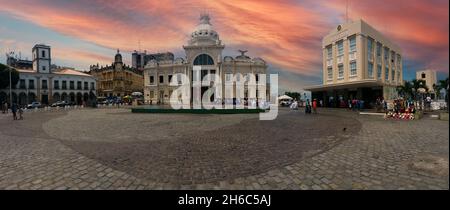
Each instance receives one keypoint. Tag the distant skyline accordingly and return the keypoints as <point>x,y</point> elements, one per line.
<point>285,33</point>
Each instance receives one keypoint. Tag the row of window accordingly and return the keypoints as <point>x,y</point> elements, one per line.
<point>370,49</point>
<point>204,73</point>
<point>56,85</point>
<point>353,72</point>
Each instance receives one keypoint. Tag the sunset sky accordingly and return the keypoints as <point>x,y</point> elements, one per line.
<point>285,33</point>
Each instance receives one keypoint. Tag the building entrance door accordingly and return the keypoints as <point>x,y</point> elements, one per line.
<point>44,99</point>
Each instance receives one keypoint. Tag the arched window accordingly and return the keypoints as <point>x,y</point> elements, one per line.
<point>203,59</point>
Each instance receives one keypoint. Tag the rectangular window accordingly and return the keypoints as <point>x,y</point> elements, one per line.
<point>370,70</point>
<point>56,84</point>
<point>161,79</point>
<point>379,72</point>
<point>352,44</point>
<point>22,84</point>
<point>79,85</point>
<point>378,50</point>
<point>72,85</point>
<point>152,79</point>
<point>330,73</point>
<point>386,55</point>
<point>370,48</point>
<point>257,77</point>
<point>179,79</point>
<point>170,79</point>
<point>341,71</point>
<point>340,48</point>
<point>64,85</point>
<point>43,55</point>
<point>329,52</point>
<point>92,86</point>
<point>43,68</point>
<point>386,73</point>
<point>393,75</point>
<point>44,84</point>
<point>31,84</point>
<point>86,85</point>
<point>353,71</point>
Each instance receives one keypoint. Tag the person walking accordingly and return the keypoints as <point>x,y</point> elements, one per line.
<point>5,108</point>
<point>307,107</point>
<point>20,113</point>
<point>314,106</point>
<point>14,111</point>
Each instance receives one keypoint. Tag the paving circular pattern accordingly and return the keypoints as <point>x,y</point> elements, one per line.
<point>193,149</point>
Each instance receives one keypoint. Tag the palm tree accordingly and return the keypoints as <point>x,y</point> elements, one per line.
<point>406,90</point>
<point>417,85</point>
<point>437,90</point>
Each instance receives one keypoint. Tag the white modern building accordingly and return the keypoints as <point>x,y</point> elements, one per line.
<point>42,84</point>
<point>358,62</point>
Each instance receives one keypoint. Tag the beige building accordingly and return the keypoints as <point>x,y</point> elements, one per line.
<point>38,82</point>
<point>430,78</point>
<point>118,79</point>
<point>203,50</point>
<point>358,62</point>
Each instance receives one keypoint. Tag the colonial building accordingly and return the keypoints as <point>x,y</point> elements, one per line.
<point>204,51</point>
<point>118,79</point>
<point>140,59</point>
<point>42,84</point>
<point>358,62</point>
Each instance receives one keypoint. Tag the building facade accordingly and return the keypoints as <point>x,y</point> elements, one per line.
<point>140,59</point>
<point>430,78</point>
<point>117,80</point>
<point>203,51</point>
<point>358,62</point>
<point>45,85</point>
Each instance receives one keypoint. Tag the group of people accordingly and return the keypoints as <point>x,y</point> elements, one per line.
<point>309,107</point>
<point>355,104</point>
<point>15,109</point>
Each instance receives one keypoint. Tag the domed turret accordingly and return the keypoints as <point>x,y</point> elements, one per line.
<point>204,33</point>
<point>118,57</point>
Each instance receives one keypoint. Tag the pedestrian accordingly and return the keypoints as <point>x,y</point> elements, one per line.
<point>307,107</point>
<point>314,106</point>
<point>321,103</point>
<point>5,107</point>
<point>20,113</point>
<point>14,111</point>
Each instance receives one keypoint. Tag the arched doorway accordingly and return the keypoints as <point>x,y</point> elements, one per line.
<point>206,62</point>
<point>31,98</point>
<point>56,97</point>
<point>72,97</point>
<point>64,97</point>
<point>85,97</point>
<point>23,98</point>
<point>79,98</point>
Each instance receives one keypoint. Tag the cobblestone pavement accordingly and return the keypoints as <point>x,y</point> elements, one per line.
<point>114,149</point>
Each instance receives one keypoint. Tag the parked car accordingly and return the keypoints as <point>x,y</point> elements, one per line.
<point>59,104</point>
<point>34,105</point>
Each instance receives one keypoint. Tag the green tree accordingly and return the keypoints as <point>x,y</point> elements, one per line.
<point>294,95</point>
<point>437,90</point>
<point>417,85</point>
<point>4,76</point>
<point>443,84</point>
<point>406,90</point>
